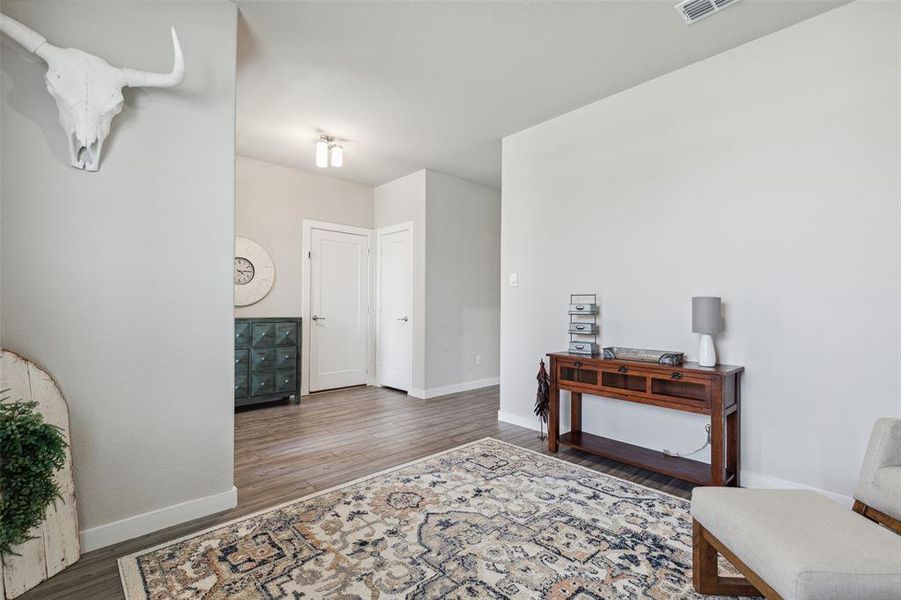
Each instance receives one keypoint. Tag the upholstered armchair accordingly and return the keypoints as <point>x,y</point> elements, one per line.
<point>799,545</point>
<point>878,493</point>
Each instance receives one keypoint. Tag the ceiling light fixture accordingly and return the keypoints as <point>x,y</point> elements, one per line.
<point>322,151</point>
<point>337,153</point>
<point>327,151</point>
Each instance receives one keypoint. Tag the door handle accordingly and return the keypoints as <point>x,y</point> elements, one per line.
<point>318,318</point>
<point>404,319</point>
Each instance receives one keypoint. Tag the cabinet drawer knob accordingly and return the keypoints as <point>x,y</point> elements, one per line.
<point>676,375</point>
<point>577,364</point>
<point>623,369</point>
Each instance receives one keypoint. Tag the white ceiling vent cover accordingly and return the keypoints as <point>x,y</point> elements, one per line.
<point>695,10</point>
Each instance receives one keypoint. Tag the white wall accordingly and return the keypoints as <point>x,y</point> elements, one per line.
<point>271,203</point>
<point>462,283</point>
<point>119,282</point>
<point>456,256</point>
<point>401,201</point>
<point>768,175</point>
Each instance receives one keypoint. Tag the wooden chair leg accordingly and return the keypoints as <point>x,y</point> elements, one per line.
<point>705,569</point>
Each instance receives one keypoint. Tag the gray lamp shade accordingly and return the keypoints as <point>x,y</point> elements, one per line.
<point>706,315</point>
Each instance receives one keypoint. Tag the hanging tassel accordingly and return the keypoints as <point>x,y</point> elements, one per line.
<point>542,398</point>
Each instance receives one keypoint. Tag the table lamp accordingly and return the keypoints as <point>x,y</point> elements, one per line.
<point>706,319</point>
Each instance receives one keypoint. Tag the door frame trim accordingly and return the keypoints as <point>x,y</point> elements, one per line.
<point>308,225</point>
<point>406,226</point>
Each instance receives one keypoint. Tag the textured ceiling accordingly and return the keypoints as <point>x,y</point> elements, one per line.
<point>412,85</point>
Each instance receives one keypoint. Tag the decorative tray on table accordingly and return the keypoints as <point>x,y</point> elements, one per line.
<point>662,357</point>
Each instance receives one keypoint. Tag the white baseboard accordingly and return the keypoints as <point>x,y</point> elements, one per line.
<point>527,422</point>
<point>749,479</point>
<point>453,389</point>
<point>144,523</point>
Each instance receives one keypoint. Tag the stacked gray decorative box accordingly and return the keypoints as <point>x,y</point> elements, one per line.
<point>267,360</point>
<point>583,324</point>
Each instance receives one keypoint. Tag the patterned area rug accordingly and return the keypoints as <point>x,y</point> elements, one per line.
<point>485,520</point>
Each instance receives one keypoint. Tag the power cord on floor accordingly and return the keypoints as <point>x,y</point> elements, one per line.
<point>680,455</point>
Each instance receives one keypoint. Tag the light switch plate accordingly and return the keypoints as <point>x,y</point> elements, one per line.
<point>514,279</point>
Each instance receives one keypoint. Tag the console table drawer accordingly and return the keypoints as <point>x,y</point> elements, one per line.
<point>636,383</point>
<point>681,388</point>
<point>574,373</point>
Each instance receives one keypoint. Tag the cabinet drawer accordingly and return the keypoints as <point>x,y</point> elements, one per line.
<point>285,358</point>
<point>262,359</point>
<point>263,334</point>
<point>262,383</point>
<point>285,380</point>
<point>286,334</point>
<point>242,335</point>
<point>242,360</point>
<point>241,385</point>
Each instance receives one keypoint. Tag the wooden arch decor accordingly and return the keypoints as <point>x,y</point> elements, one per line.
<point>55,543</point>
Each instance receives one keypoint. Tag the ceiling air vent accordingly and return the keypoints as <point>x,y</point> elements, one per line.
<point>695,10</point>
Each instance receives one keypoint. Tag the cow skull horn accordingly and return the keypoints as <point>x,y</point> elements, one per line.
<point>29,39</point>
<point>134,78</point>
<point>87,89</point>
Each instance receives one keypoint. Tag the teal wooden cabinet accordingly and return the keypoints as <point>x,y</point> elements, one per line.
<point>267,360</point>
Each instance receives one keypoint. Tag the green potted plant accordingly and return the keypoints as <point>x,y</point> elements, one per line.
<point>31,452</point>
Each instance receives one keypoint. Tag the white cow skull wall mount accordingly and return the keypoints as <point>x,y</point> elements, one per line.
<point>87,89</point>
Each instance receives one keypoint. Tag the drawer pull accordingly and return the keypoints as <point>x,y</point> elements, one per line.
<point>577,364</point>
<point>580,308</point>
<point>623,369</point>
<point>580,346</point>
<point>676,375</point>
<point>580,327</point>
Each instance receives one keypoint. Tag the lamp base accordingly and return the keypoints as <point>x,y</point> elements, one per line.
<point>706,351</point>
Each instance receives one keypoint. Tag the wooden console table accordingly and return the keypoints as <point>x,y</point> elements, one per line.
<point>714,391</point>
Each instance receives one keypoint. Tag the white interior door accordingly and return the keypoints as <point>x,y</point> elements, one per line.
<point>395,302</point>
<point>339,294</point>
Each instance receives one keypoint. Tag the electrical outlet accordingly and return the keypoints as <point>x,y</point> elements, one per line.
<point>478,360</point>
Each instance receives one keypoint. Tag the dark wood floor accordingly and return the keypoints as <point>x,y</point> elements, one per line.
<point>283,452</point>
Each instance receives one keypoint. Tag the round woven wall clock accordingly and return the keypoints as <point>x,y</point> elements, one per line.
<point>254,272</point>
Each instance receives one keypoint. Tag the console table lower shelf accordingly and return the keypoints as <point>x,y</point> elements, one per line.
<point>713,391</point>
<point>637,456</point>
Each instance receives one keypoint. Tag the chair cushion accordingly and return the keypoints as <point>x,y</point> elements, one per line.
<point>802,544</point>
